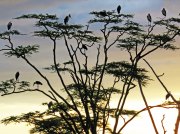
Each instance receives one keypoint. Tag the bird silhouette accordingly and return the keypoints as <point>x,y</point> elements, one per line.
<point>50,104</point>
<point>84,47</point>
<point>103,13</point>
<point>69,15</point>
<point>37,83</point>
<point>66,19</point>
<point>118,9</point>
<point>17,76</point>
<point>9,25</point>
<point>163,12</point>
<point>149,18</point>
<point>168,95</point>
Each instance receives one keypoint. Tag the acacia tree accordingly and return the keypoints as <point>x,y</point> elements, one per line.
<point>86,106</point>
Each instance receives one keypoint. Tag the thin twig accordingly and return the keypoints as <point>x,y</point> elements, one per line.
<point>163,124</point>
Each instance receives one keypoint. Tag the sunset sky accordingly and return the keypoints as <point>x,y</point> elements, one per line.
<point>167,62</point>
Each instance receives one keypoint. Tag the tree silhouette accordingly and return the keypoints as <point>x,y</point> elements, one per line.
<point>86,106</point>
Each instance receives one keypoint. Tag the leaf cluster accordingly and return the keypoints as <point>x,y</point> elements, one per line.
<point>38,16</point>
<point>58,67</point>
<point>6,34</point>
<point>22,51</point>
<point>108,17</point>
<point>12,85</point>
<point>124,70</point>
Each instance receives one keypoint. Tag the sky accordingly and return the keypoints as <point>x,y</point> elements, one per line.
<point>167,62</point>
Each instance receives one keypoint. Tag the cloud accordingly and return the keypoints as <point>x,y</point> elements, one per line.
<point>45,3</point>
<point>11,8</point>
<point>10,2</point>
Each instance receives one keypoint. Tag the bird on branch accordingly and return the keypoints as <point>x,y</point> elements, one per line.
<point>9,25</point>
<point>17,76</point>
<point>37,83</point>
<point>84,47</point>
<point>50,104</point>
<point>118,9</point>
<point>168,95</point>
<point>149,18</point>
<point>66,19</point>
<point>163,12</point>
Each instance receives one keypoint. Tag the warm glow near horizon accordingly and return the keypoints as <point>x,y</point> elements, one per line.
<point>141,124</point>
<point>167,62</point>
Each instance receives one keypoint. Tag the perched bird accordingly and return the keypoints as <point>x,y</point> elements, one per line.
<point>149,18</point>
<point>84,47</point>
<point>119,9</point>
<point>69,15</point>
<point>168,95</point>
<point>9,25</point>
<point>37,83</point>
<point>66,19</point>
<point>17,76</point>
<point>50,104</point>
<point>103,13</point>
<point>163,11</point>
